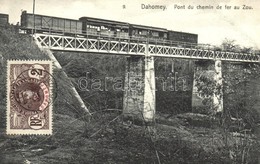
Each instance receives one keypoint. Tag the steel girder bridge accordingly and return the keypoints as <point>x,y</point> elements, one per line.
<point>141,55</point>
<point>129,47</point>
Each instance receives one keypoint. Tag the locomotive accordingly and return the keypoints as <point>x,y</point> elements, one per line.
<point>103,28</point>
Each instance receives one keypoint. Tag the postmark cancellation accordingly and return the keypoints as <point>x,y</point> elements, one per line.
<point>29,97</point>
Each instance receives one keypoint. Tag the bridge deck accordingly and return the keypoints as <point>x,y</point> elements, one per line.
<point>127,47</point>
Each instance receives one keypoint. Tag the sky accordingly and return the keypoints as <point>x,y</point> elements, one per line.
<point>211,25</point>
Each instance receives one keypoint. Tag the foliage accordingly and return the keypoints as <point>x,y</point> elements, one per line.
<point>206,86</point>
<point>174,80</point>
<point>240,96</point>
<point>230,45</point>
<point>98,74</point>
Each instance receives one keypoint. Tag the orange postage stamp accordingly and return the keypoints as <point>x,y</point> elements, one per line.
<point>29,97</point>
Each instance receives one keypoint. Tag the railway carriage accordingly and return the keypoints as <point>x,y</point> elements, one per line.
<point>105,28</point>
<point>147,33</point>
<point>42,23</point>
<point>182,38</point>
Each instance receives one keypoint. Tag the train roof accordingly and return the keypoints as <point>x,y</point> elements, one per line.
<point>149,27</point>
<point>104,21</point>
<point>24,12</point>
<point>2,14</point>
<point>125,24</point>
<point>182,32</point>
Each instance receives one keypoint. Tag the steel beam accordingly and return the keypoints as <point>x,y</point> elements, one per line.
<point>126,47</point>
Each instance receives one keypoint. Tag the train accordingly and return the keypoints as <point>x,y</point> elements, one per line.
<point>96,27</point>
<point>4,19</point>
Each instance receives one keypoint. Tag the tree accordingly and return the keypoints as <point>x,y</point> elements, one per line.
<point>240,81</point>
<point>229,45</point>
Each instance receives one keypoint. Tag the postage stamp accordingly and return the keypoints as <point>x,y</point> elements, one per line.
<point>29,97</point>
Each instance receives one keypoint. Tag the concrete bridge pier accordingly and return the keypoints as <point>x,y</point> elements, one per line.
<point>149,90</point>
<point>212,71</point>
<point>139,90</point>
<point>218,95</point>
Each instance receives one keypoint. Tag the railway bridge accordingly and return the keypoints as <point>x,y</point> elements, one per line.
<point>140,62</point>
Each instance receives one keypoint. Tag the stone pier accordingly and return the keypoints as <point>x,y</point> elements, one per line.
<point>218,95</point>
<point>212,71</point>
<point>139,91</point>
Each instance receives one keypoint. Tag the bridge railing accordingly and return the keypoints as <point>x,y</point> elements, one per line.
<point>157,41</point>
<point>139,46</point>
<point>94,35</point>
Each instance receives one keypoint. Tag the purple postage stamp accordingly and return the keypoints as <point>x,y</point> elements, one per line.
<point>29,97</point>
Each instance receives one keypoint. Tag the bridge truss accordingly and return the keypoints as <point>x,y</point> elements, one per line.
<point>128,47</point>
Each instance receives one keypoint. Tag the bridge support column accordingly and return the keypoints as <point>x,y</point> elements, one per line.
<point>218,94</point>
<point>149,90</point>
<point>139,92</point>
<point>207,73</point>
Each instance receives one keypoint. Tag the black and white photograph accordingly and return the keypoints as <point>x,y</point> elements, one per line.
<point>120,81</point>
